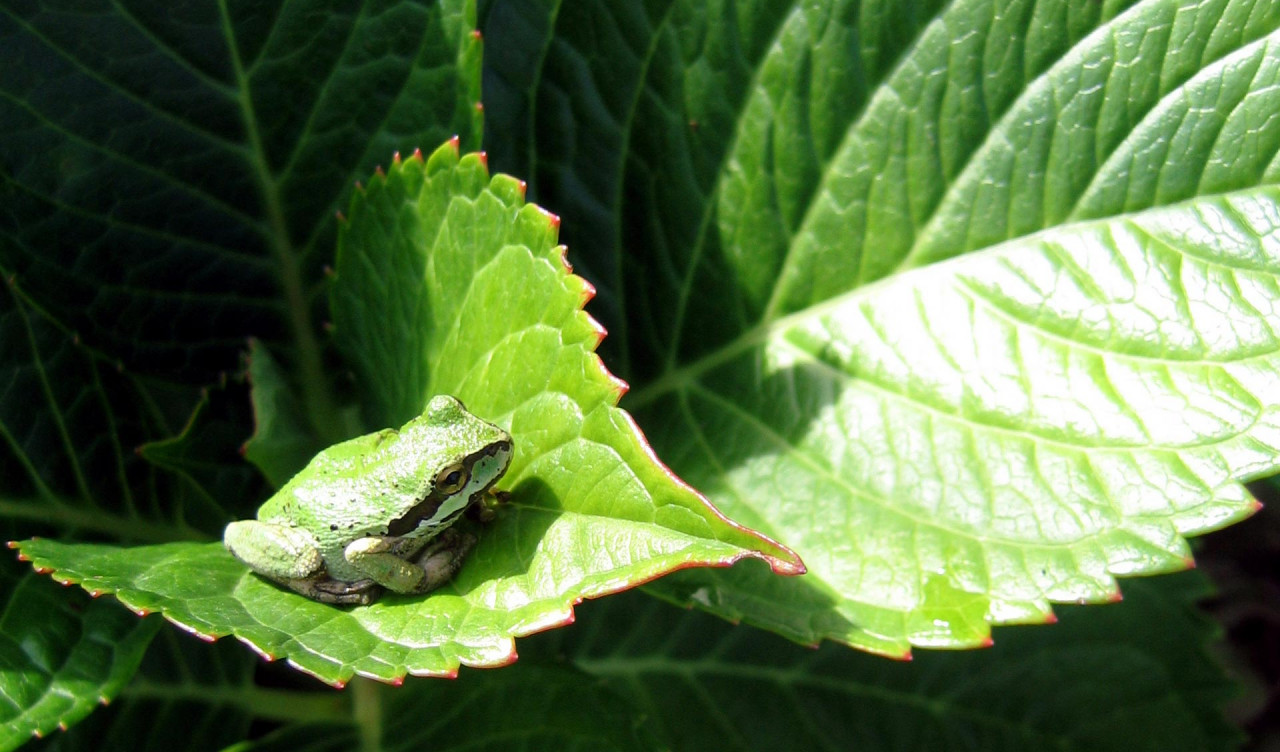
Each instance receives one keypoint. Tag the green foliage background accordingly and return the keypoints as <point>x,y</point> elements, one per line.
<point>973,305</point>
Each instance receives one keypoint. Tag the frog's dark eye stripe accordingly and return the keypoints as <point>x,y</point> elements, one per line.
<point>452,478</point>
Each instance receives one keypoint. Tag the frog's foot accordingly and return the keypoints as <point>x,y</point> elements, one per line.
<point>379,559</point>
<point>360,592</point>
<point>278,552</point>
<point>443,557</point>
<point>485,509</point>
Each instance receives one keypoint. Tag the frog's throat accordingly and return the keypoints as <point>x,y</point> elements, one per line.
<point>436,513</point>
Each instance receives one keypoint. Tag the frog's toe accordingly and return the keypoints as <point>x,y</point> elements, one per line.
<point>443,558</point>
<point>359,593</point>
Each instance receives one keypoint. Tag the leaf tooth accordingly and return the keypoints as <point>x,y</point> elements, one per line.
<point>395,159</point>
<point>335,683</point>
<point>263,654</point>
<point>417,154</point>
<point>394,680</point>
<point>476,35</point>
<point>483,156</point>
<point>191,630</point>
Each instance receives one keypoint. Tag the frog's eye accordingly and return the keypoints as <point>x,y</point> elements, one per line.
<point>451,479</point>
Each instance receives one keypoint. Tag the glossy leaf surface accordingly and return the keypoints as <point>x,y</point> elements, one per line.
<point>591,511</point>
<point>62,658</point>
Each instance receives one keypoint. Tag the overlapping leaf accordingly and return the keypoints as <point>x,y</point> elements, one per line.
<point>524,707</point>
<point>170,173</point>
<point>190,695</point>
<point>62,656</point>
<point>967,443</point>
<point>448,283</point>
<point>1133,676</point>
<point>168,178</point>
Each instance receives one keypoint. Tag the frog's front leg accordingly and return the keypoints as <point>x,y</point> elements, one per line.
<point>379,558</point>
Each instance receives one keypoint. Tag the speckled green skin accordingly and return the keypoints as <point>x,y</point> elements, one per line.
<point>378,492</point>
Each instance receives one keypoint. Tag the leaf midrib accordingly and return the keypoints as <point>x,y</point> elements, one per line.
<point>682,377</point>
<point>321,410</point>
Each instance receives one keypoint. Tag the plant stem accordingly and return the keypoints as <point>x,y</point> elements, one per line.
<point>367,699</point>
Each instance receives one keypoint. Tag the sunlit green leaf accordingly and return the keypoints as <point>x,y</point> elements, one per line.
<point>769,193</point>
<point>448,283</point>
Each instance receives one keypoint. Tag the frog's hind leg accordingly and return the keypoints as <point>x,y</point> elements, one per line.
<point>443,557</point>
<point>279,552</point>
<point>291,557</point>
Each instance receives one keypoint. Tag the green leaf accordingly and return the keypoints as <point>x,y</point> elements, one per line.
<point>523,707</point>
<point>282,441</point>
<point>592,512</point>
<point>169,189</point>
<point>947,445</point>
<point>69,425</point>
<point>61,657</point>
<point>1131,676</point>
<point>192,696</point>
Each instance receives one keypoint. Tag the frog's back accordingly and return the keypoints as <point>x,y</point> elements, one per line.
<point>334,494</point>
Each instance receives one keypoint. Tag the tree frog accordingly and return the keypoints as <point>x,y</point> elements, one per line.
<point>376,511</point>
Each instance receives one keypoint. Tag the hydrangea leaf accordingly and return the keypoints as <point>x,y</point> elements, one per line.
<point>61,657</point>
<point>282,441</point>
<point>769,194</point>
<point>527,706</point>
<point>495,319</point>
<point>169,189</point>
<point>1010,429</point>
<point>1134,675</point>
